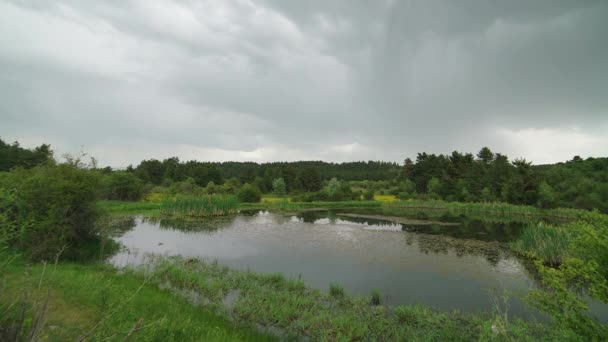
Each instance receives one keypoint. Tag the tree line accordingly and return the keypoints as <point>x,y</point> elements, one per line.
<point>490,176</point>
<point>484,177</point>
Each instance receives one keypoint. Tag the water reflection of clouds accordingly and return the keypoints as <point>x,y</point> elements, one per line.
<point>432,269</point>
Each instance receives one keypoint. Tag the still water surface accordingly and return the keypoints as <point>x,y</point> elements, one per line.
<point>445,266</point>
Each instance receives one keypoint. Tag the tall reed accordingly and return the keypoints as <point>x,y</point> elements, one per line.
<point>544,242</point>
<point>199,206</point>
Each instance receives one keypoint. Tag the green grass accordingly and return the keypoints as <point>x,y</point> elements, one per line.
<point>375,297</point>
<point>96,302</point>
<point>123,207</point>
<point>287,305</point>
<point>336,290</point>
<point>543,242</point>
<point>491,208</point>
<point>199,206</point>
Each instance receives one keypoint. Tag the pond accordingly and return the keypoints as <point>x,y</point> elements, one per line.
<point>445,262</point>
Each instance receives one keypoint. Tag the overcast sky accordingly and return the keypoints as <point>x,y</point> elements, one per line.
<point>290,80</point>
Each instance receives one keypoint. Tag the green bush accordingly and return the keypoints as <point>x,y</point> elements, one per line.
<point>248,194</point>
<point>50,207</point>
<point>123,186</point>
<point>368,195</point>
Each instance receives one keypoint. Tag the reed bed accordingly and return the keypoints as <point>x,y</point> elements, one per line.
<point>494,208</point>
<point>543,242</point>
<point>199,206</point>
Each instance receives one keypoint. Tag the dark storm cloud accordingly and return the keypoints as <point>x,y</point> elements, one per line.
<point>336,80</point>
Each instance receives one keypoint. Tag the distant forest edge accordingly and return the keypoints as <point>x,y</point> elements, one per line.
<point>484,177</point>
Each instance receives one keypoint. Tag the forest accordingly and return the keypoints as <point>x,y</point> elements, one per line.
<point>464,177</point>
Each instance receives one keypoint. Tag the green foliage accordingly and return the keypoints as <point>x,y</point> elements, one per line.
<point>333,187</point>
<point>368,195</point>
<point>248,194</point>
<point>310,179</point>
<point>14,155</point>
<point>375,297</point>
<point>578,183</point>
<point>95,303</point>
<point>560,298</point>
<point>211,188</point>
<point>123,186</point>
<point>543,242</point>
<point>279,187</point>
<point>546,195</point>
<point>199,206</point>
<point>572,261</point>
<point>433,186</point>
<point>52,207</point>
<point>336,290</point>
<point>270,300</point>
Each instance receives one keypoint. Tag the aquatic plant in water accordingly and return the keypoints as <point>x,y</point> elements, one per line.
<point>199,206</point>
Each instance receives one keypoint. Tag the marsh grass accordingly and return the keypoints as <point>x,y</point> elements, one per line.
<point>543,242</point>
<point>492,208</point>
<point>336,290</point>
<point>199,206</point>
<point>375,297</point>
<point>300,312</point>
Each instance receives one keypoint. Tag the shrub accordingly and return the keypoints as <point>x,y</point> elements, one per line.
<point>123,186</point>
<point>52,207</point>
<point>368,195</point>
<point>248,194</point>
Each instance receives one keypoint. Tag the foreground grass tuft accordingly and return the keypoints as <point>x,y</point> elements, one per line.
<point>336,290</point>
<point>93,302</point>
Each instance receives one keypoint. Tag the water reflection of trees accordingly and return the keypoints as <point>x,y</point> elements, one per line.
<point>113,226</point>
<point>190,224</point>
<point>492,251</point>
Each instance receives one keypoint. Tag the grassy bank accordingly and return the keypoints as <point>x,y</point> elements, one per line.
<point>295,310</point>
<point>94,302</point>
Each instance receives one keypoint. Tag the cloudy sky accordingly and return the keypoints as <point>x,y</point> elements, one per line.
<point>288,80</point>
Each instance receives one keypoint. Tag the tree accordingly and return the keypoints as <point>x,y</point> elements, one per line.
<point>248,194</point>
<point>333,187</point>
<point>310,179</point>
<point>546,196</point>
<point>407,186</point>
<point>211,188</point>
<point>279,187</point>
<point>123,186</point>
<point>150,171</point>
<point>56,208</point>
<point>485,155</point>
<point>433,186</point>
<point>486,195</point>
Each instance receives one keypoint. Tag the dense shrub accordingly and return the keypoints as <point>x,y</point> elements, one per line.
<point>121,185</point>
<point>248,194</point>
<point>49,207</point>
